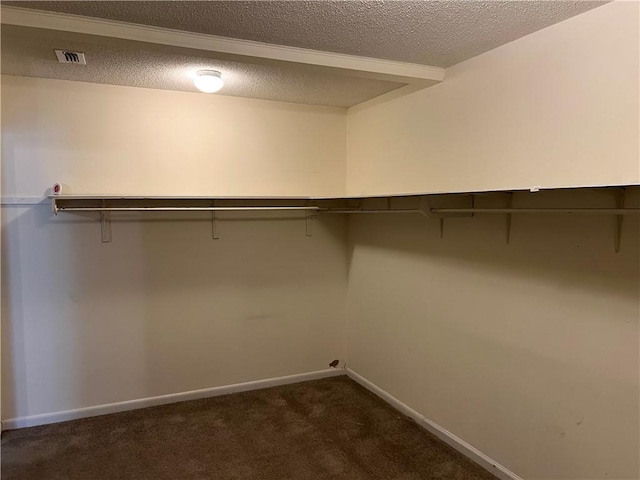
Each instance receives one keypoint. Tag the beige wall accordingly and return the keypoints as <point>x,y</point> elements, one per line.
<point>556,108</point>
<point>101,139</point>
<point>527,351</point>
<point>164,308</point>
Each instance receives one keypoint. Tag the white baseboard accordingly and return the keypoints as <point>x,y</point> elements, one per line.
<point>446,436</point>
<point>55,417</point>
<point>449,438</point>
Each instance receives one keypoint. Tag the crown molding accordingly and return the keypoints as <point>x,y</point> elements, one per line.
<point>243,49</point>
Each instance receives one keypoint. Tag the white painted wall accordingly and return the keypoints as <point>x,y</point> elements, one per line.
<point>101,139</point>
<point>164,308</point>
<point>557,108</point>
<point>527,351</point>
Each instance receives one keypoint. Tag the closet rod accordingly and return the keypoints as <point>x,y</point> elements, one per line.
<point>395,210</point>
<point>177,209</point>
<point>610,211</point>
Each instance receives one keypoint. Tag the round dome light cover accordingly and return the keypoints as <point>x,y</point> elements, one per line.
<point>208,81</point>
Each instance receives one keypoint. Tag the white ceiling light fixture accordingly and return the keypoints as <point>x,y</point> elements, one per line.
<point>208,81</point>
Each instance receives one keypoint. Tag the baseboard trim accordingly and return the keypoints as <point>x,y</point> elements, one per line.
<point>55,417</point>
<point>446,436</point>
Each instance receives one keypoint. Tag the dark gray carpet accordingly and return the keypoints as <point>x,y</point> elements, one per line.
<point>323,429</point>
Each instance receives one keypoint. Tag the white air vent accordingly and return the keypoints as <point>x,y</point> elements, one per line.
<point>65,56</point>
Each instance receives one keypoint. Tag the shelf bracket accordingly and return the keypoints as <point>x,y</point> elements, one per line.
<point>508,219</point>
<point>309,223</point>
<point>617,233</point>
<point>425,207</point>
<point>214,226</point>
<point>105,226</point>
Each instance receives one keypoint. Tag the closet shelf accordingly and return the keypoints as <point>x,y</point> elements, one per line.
<point>434,206</point>
<point>427,205</point>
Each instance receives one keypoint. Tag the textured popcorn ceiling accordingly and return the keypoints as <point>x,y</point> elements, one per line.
<point>437,33</point>
<point>30,52</point>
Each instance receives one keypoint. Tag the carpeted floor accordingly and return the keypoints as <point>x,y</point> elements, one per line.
<point>323,429</point>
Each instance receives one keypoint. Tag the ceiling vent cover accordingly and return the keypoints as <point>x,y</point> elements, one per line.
<point>65,56</point>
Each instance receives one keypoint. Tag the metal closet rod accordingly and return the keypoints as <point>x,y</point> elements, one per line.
<point>178,209</point>
<point>610,211</point>
<point>614,211</point>
<point>395,210</point>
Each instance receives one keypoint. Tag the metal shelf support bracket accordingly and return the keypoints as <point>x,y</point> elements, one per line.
<point>617,233</point>
<point>105,226</point>
<point>309,223</point>
<point>214,226</point>
<point>509,205</point>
